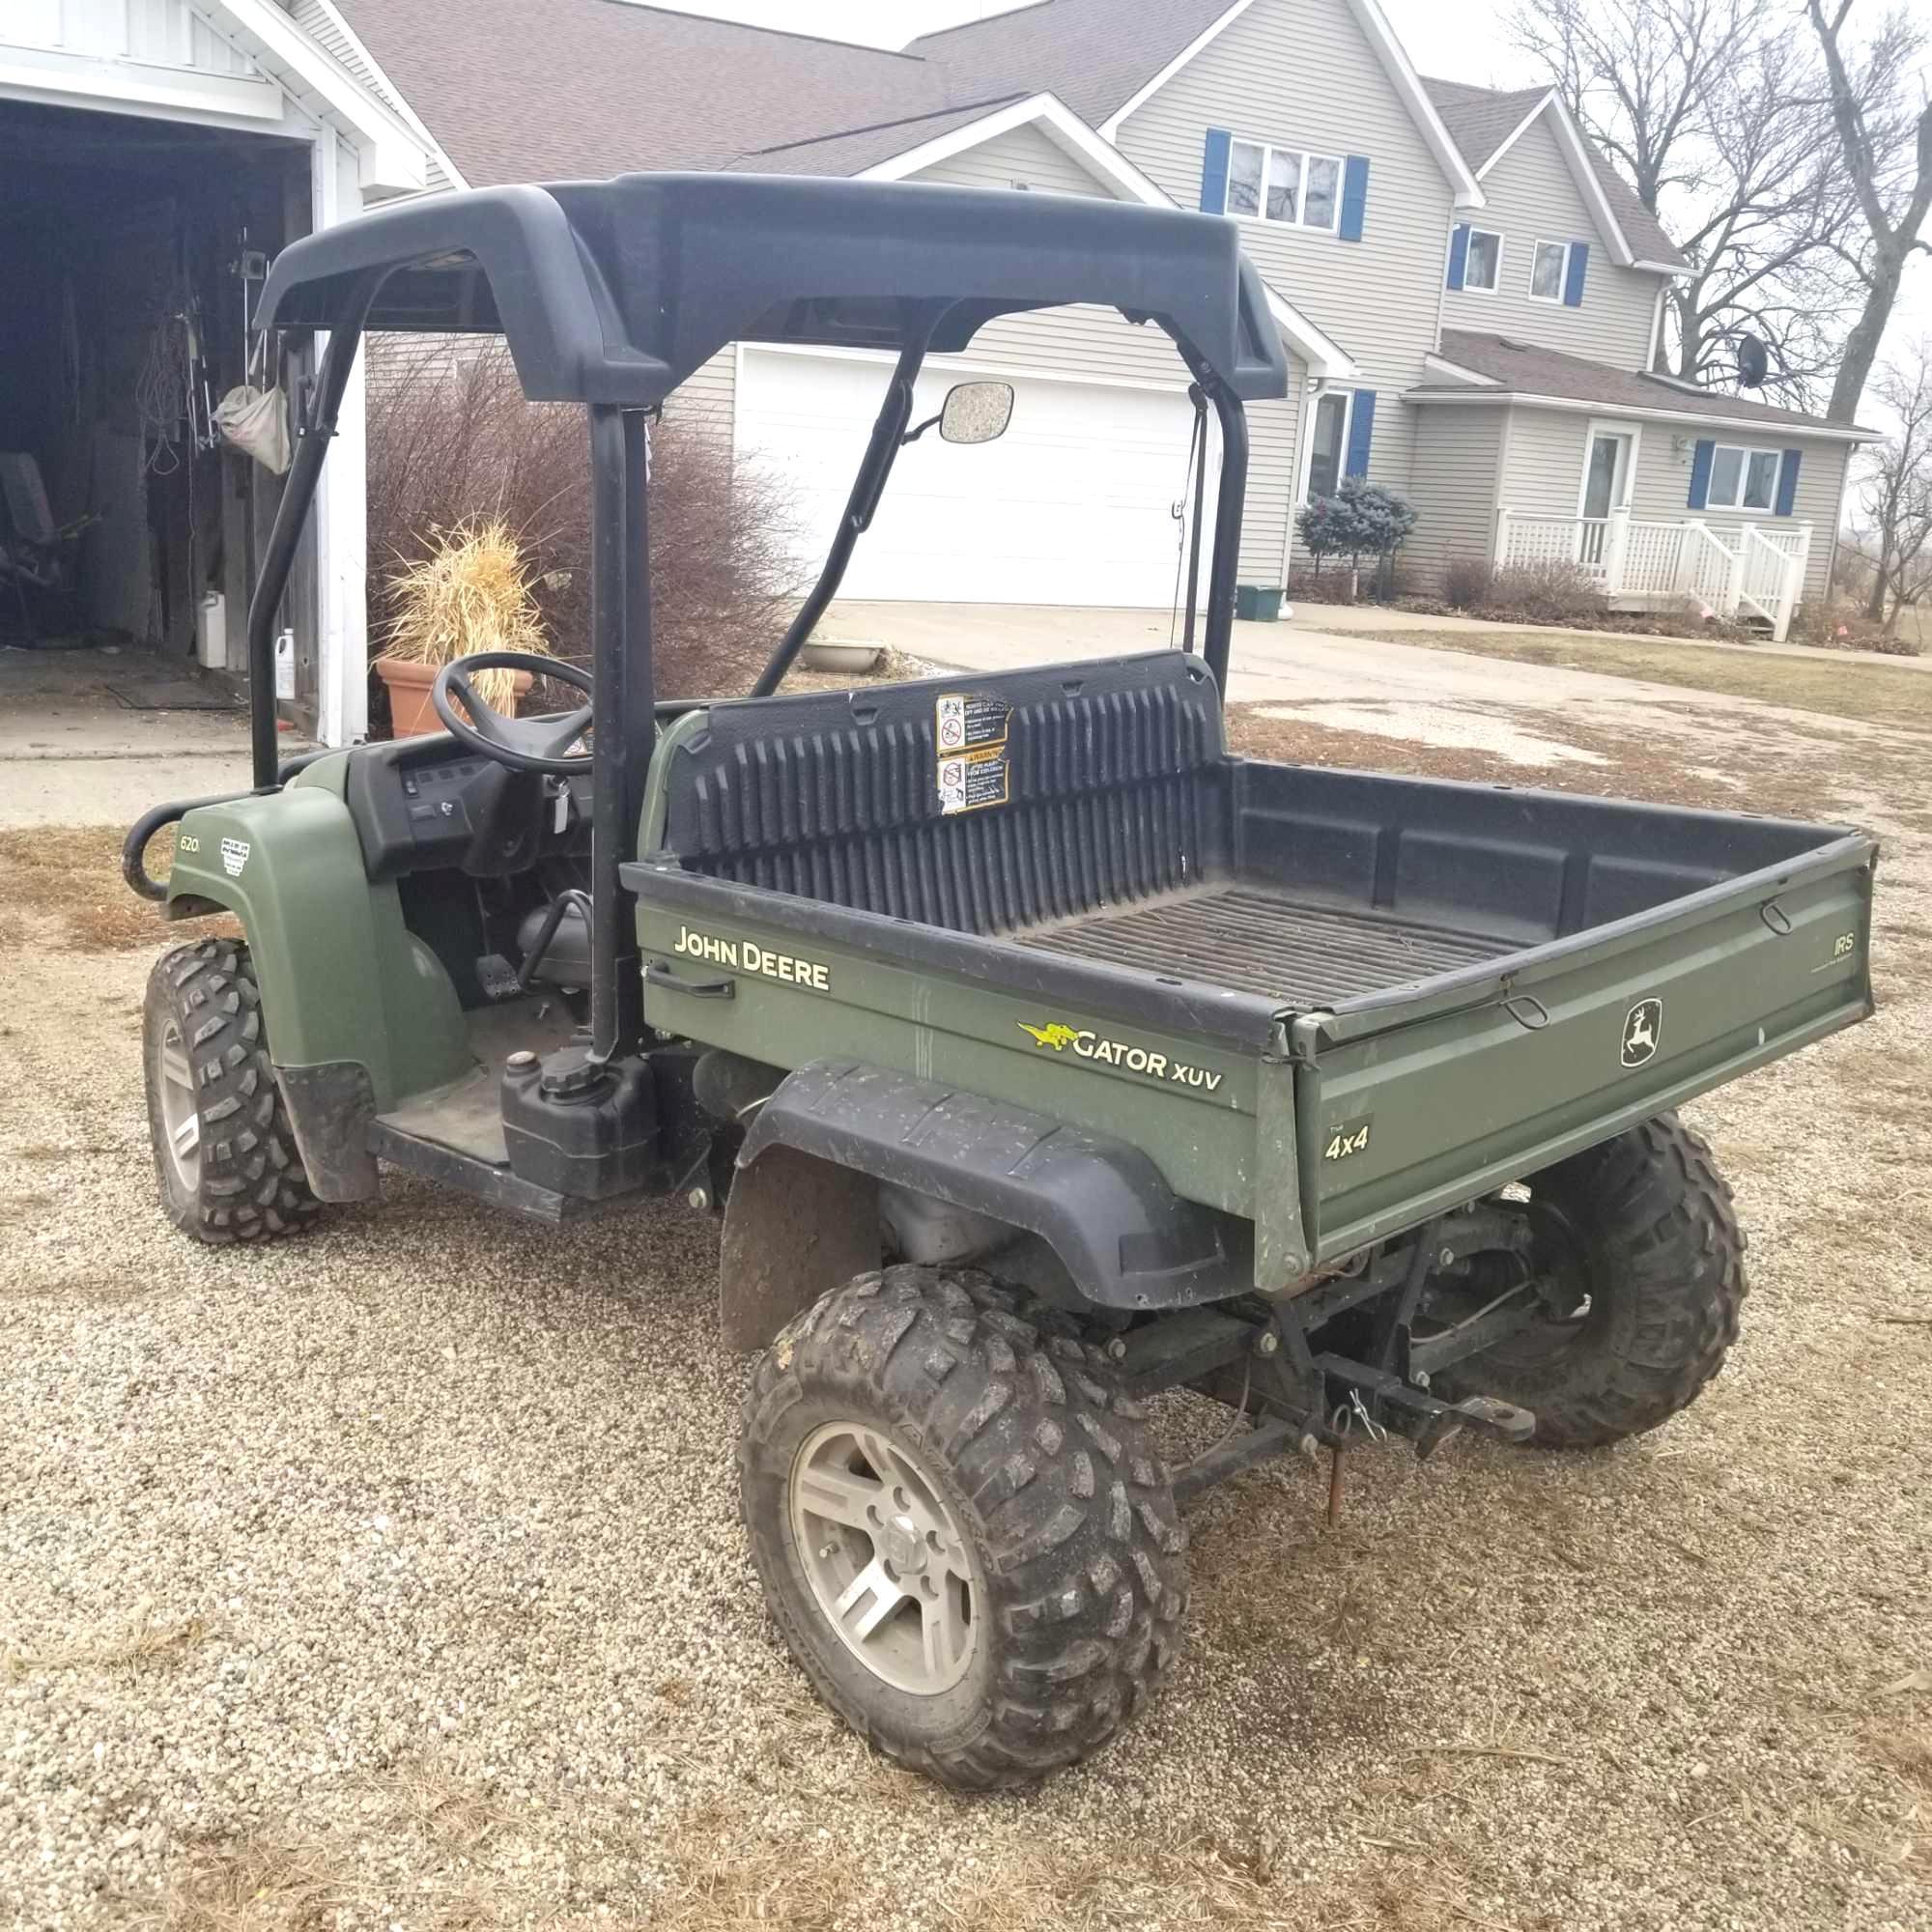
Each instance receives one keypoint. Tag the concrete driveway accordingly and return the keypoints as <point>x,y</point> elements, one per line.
<point>72,753</point>
<point>1302,661</point>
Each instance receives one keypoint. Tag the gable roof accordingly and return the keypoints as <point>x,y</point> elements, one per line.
<point>1510,370</point>
<point>1484,122</point>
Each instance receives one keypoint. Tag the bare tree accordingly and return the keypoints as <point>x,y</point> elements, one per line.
<point>1886,147</point>
<point>1898,492</point>
<point>1718,113</point>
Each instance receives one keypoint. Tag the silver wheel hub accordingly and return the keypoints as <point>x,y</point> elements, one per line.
<point>886,1565</point>
<point>181,1109</point>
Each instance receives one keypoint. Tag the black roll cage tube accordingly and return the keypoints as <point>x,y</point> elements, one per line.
<point>623,699</point>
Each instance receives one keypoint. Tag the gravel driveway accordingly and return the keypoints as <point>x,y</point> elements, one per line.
<point>393,1576</point>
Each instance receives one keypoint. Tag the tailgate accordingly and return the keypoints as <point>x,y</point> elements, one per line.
<point>1405,1106</point>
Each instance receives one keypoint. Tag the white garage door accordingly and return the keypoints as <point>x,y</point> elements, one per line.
<point>1074,504</point>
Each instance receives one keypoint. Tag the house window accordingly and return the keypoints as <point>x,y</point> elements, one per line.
<point>1547,266</point>
<point>1483,269</point>
<point>1327,444</point>
<point>1287,186</point>
<point>1742,479</point>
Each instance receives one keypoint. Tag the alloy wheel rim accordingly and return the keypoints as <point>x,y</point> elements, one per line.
<point>181,1110</point>
<point>884,1557</point>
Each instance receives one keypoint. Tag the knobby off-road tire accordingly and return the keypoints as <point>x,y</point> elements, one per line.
<point>1044,1472</point>
<point>1655,1242</point>
<point>223,1149</point>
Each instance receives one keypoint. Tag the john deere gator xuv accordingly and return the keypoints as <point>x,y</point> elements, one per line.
<point>1041,1055</point>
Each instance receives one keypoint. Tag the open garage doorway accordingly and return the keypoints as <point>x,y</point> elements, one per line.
<point>131,252</point>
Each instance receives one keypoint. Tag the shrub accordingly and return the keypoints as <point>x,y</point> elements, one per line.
<point>1361,519</point>
<point>1467,581</point>
<point>1542,593</point>
<point>1307,587</point>
<point>1845,627</point>
<point>453,443</point>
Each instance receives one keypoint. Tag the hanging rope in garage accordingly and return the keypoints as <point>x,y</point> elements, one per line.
<point>163,390</point>
<point>171,392</point>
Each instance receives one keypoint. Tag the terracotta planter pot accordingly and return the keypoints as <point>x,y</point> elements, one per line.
<point>409,709</point>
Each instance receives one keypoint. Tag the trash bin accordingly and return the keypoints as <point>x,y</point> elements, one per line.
<point>1258,603</point>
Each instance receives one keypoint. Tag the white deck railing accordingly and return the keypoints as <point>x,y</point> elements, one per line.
<point>1743,569</point>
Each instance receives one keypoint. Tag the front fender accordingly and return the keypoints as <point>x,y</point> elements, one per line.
<point>1126,1238</point>
<point>343,980</point>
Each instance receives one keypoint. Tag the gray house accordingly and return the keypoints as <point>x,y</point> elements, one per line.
<point>1469,296</point>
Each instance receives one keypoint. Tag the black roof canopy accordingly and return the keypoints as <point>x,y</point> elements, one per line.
<point>618,291</point>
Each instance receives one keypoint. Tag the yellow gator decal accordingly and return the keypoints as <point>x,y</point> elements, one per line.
<point>1089,1045</point>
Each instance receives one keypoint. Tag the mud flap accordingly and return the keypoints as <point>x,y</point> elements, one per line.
<point>795,1226</point>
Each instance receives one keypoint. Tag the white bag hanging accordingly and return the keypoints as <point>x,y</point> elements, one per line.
<point>256,422</point>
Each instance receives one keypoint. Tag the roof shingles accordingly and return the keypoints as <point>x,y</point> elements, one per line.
<point>1522,369</point>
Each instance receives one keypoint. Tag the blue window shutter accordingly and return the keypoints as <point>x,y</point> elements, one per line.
<point>1787,482</point>
<point>1579,266</point>
<point>1459,254</point>
<point>1701,473</point>
<point>1354,196</point>
<point>1361,427</point>
<point>1214,172</point>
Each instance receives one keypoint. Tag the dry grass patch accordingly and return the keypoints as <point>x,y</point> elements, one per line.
<point>260,1883</point>
<point>1841,687</point>
<point>144,1637</point>
<point>72,874</point>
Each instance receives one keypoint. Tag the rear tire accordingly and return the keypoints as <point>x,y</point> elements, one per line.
<point>1653,1239</point>
<point>224,1152</point>
<point>1024,1471</point>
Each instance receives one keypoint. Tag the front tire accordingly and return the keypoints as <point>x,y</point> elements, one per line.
<point>962,1526</point>
<point>1643,1227</point>
<point>225,1153</point>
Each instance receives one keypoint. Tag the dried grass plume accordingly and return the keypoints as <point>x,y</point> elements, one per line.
<point>471,593</point>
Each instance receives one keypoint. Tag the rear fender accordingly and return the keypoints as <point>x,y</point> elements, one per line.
<point>1125,1240</point>
<point>359,1011</point>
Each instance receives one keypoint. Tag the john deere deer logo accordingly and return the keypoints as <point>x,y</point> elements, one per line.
<point>1054,1035</point>
<point>1642,1026</point>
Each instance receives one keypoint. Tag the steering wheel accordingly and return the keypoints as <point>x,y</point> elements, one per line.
<point>523,744</point>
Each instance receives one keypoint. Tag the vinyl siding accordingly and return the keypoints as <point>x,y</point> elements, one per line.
<point>156,32</point>
<point>1458,458</point>
<point>1543,473</point>
<point>1533,198</point>
<point>1302,74</point>
<point>1098,344</point>
<point>709,394</point>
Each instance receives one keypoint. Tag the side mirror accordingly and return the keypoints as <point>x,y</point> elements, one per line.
<point>976,412</point>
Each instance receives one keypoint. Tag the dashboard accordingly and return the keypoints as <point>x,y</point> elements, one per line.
<point>419,803</point>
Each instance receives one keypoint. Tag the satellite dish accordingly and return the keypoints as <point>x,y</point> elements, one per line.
<point>1753,362</point>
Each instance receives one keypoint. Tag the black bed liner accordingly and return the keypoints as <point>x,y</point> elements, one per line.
<point>1258,939</point>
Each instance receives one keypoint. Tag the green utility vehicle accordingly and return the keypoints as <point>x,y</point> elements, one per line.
<point>1041,1055</point>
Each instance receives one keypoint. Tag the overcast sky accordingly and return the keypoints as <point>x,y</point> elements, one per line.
<point>1460,39</point>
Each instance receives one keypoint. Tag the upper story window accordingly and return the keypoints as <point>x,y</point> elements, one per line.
<point>1549,269</point>
<point>1289,185</point>
<point>1743,478</point>
<point>1483,271</point>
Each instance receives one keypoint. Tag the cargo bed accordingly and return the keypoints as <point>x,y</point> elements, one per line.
<point>1259,939</point>
<point>1402,990</point>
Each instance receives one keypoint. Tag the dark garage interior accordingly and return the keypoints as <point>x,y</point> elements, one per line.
<point>130,251</point>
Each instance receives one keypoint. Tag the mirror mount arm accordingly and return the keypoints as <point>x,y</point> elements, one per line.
<point>889,433</point>
<point>917,429</point>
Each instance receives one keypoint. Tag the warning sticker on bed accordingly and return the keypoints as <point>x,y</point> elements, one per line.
<point>970,732</point>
